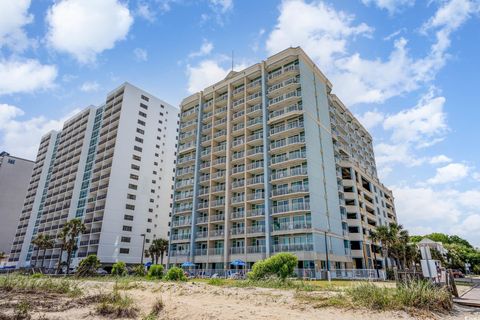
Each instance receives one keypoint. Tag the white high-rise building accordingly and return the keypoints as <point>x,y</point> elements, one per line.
<point>113,167</point>
<point>14,180</point>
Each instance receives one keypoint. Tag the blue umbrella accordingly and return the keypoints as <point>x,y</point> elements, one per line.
<point>238,263</point>
<point>148,264</point>
<point>188,264</point>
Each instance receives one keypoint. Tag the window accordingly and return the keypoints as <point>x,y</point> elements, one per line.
<point>140,122</point>
<point>125,239</point>
<point>128,217</point>
<point>127,228</point>
<point>135,157</point>
<point>140,131</point>
<point>124,250</point>
<point>135,167</point>
<point>161,113</point>
<point>131,196</point>
<point>142,114</point>
<point>130,207</point>
<point>133,176</point>
<point>149,220</point>
<point>150,210</point>
<point>145,98</point>
<point>144,106</point>
<point>137,139</point>
<point>11,161</point>
<point>149,230</point>
<point>137,148</point>
<point>160,121</point>
<point>132,186</point>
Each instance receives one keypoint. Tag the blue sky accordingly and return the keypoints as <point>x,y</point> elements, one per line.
<point>409,70</point>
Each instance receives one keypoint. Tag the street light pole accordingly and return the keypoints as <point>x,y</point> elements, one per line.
<point>326,257</point>
<point>143,247</point>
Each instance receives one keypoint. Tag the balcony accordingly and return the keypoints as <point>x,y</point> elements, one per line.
<point>292,247</point>
<point>289,173</point>
<point>237,231</point>
<point>217,233</point>
<point>255,180</point>
<point>256,196</point>
<point>291,226</point>
<point>290,141</point>
<point>285,159</point>
<point>256,212</point>
<point>215,251</point>
<point>256,229</point>
<point>181,223</point>
<point>286,127</point>
<point>256,249</point>
<point>288,191</point>
<point>217,217</point>
<point>237,250</point>
<point>302,206</point>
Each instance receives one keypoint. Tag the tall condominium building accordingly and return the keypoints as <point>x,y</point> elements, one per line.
<point>111,166</point>
<point>15,174</point>
<point>270,161</point>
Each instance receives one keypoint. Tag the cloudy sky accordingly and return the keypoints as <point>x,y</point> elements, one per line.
<point>409,70</point>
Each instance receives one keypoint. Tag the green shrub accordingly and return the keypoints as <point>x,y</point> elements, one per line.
<point>280,265</point>
<point>37,275</point>
<point>119,269</point>
<point>423,295</point>
<point>117,305</point>
<point>139,270</point>
<point>175,274</point>
<point>155,271</point>
<point>88,266</point>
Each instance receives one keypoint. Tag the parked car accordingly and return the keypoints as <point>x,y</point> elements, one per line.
<point>457,273</point>
<point>101,271</point>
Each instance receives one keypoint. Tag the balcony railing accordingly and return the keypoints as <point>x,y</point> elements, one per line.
<point>292,247</point>
<point>292,189</point>
<point>292,226</point>
<point>302,206</point>
<point>289,173</point>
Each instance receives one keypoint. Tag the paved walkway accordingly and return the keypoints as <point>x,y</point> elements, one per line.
<point>470,298</point>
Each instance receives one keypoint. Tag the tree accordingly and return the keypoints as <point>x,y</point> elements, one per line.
<point>3,255</point>
<point>88,266</point>
<point>61,239</point>
<point>71,230</point>
<point>157,249</point>
<point>385,237</point>
<point>46,243</point>
<point>37,242</point>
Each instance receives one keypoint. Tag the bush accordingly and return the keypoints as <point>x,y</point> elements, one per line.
<point>280,265</point>
<point>175,274</point>
<point>119,269</point>
<point>88,266</point>
<point>37,275</point>
<point>155,271</point>
<point>117,305</point>
<point>139,270</point>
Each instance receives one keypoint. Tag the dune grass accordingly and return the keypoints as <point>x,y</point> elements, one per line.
<point>26,284</point>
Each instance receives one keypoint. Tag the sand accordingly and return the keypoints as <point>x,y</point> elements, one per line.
<point>199,301</point>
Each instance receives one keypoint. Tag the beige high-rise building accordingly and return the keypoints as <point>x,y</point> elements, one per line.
<point>269,161</point>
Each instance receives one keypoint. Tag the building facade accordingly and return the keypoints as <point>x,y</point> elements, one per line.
<point>15,175</point>
<point>111,166</point>
<point>262,168</point>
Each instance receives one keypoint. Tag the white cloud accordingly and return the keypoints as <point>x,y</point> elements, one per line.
<point>204,50</point>
<point>371,119</point>
<point>222,6</point>
<point>391,6</point>
<point>440,159</point>
<point>140,54</point>
<point>476,176</point>
<point>22,137</point>
<point>204,74</point>
<point>425,209</point>
<point>90,86</point>
<point>298,24</point>
<point>423,122</point>
<point>450,173</point>
<point>144,11</point>
<point>13,17</point>
<point>85,28</point>
<point>410,129</point>
<point>25,76</point>
<point>208,72</point>
<point>363,80</point>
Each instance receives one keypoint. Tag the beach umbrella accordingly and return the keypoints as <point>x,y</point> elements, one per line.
<point>238,263</point>
<point>188,264</point>
<point>148,264</point>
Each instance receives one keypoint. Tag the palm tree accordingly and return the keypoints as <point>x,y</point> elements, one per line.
<point>3,255</point>
<point>374,238</point>
<point>157,249</point>
<point>384,235</point>
<point>61,239</point>
<point>37,242</point>
<point>71,230</point>
<point>47,243</point>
